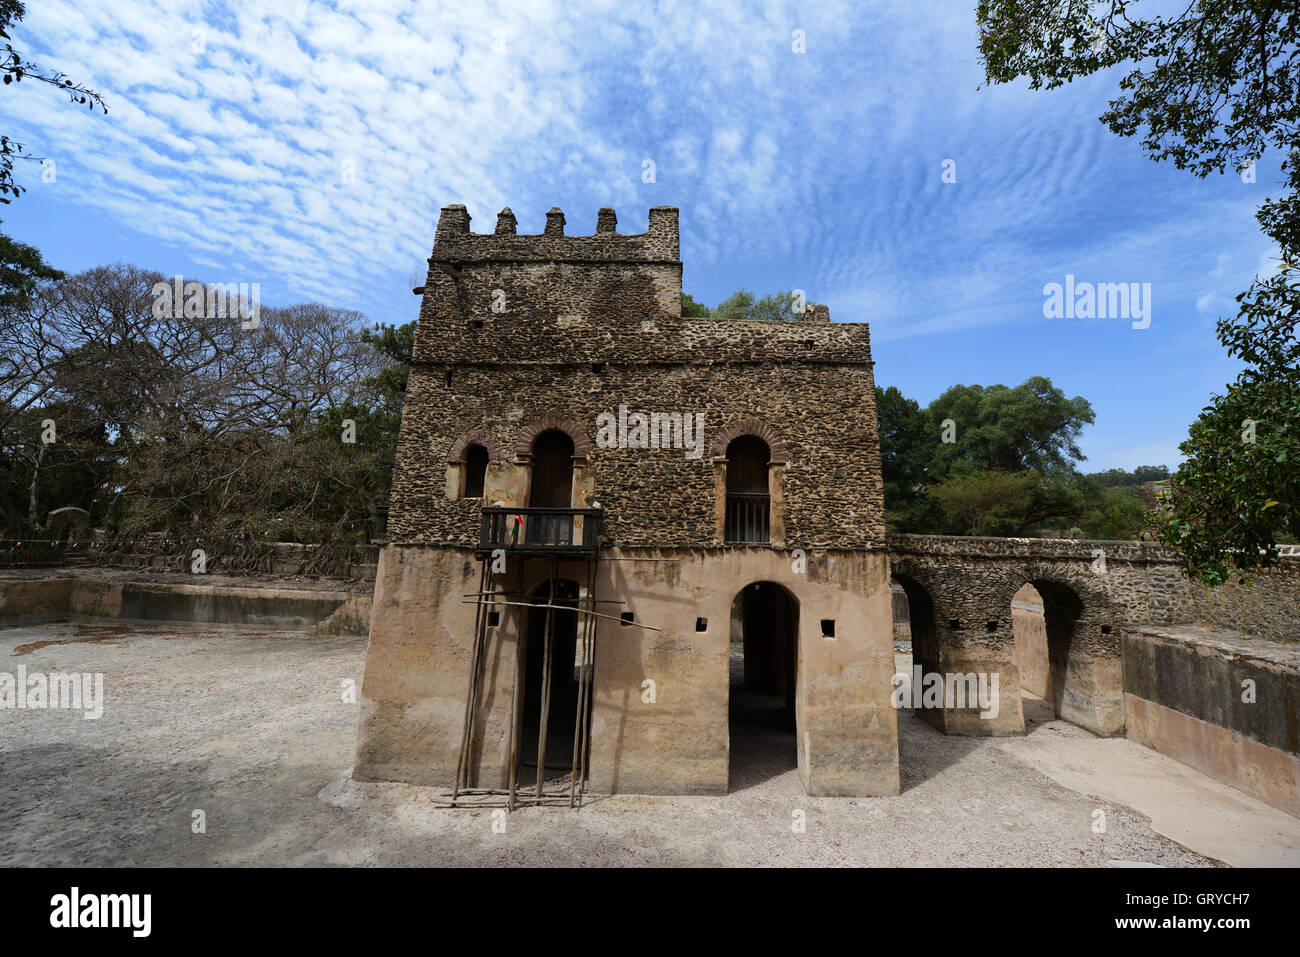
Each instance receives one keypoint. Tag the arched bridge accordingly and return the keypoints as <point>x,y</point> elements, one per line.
<point>960,592</point>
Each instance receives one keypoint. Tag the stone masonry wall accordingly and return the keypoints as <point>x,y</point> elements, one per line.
<point>1138,582</point>
<point>587,324</point>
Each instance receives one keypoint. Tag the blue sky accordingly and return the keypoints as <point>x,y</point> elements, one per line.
<point>233,127</point>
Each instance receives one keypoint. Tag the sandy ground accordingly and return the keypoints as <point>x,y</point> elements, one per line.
<point>253,730</point>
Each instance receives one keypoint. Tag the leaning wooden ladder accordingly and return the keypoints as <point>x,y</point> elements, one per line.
<point>485,600</point>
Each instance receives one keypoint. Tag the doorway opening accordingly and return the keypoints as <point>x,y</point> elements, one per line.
<point>553,708</point>
<point>763,681</point>
<point>1044,614</point>
<point>551,487</point>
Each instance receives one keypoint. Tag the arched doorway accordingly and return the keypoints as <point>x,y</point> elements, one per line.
<point>551,706</point>
<point>748,517</point>
<point>924,633</point>
<point>1044,614</point>
<point>551,487</point>
<point>1029,628</point>
<point>763,681</point>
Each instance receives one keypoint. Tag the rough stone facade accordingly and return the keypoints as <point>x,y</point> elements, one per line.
<point>521,336</point>
<point>1268,607</point>
<point>524,340</point>
<point>960,596</point>
<point>592,323</point>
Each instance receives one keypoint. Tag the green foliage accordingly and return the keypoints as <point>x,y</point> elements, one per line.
<point>1118,478</point>
<point>1238,492</point>
<point>906,453</point>
<point>21,268</point>
<point>986,502</point>
<point>1030,427</point>
<point>1009,472</point>
<point>693,309</point>
<point>396,344</point>
<point>1212,88</point>
<point>743,304</point>
<point>1119,516</point>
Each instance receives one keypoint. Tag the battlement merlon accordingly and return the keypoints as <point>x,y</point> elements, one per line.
<point>454,243</point>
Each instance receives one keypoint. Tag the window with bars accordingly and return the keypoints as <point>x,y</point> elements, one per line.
<point>749,504</point>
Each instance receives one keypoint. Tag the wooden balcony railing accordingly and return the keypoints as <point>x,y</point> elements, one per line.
<point>748,518</point>
<point>540,532</point>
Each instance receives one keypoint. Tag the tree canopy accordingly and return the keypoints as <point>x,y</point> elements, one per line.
<point>1213,88</point>
<point>744,304</point>
<point>194,424</point>
<point>999,460</point>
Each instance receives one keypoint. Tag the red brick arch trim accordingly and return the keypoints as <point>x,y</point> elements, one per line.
<point>457,453</point>
<point>756,427</point>
<point>581,444</point>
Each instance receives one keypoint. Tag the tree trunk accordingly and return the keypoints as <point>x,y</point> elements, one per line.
<point>31,491</point>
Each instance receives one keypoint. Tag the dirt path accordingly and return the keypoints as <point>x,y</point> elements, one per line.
<point>253,730</point>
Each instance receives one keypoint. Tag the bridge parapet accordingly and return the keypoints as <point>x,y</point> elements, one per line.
<point>1027,548</point>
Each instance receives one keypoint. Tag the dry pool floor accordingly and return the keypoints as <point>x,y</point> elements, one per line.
<point>253,730</point>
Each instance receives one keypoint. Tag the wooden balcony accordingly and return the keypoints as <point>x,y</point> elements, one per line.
<point>540,532</point>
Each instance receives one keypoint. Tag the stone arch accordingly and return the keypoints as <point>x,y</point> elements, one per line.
<point>1082,628</point>
<point>478,437</point>
<point>1079,580</point>
<point>919,575</point>
<point>780,455</point>
<point>581,443</point>
<point>923,626</point>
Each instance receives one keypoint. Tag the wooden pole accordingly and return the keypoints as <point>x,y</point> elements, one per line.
<point>580,611</point>
<point>467,723</point>
<point>580,719</point>
<point>546,684</point>
<point>521,651</point>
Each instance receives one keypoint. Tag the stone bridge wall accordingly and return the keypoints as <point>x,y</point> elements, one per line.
<point>1137,581</point>
<point>960,592</point>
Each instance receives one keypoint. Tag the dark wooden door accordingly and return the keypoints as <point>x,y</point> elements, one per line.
<point>747,459</point>
<point>552,485</point>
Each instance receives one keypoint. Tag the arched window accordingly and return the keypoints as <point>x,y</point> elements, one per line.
<point>476,460</point>
<point>467,462</point>
<point>748,501</point>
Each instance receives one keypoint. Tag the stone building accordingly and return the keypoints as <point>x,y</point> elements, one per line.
<point>573,447</point>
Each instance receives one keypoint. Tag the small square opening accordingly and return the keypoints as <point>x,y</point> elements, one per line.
<point>701,624</point>
<point>954,623</point>
<point>1105,629</point>
<point>494,619</point>
<point>598,367</point>
<point>627,618</point>
<point>991,626</point>
<point>476,323</point>
<point>828,627</point>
